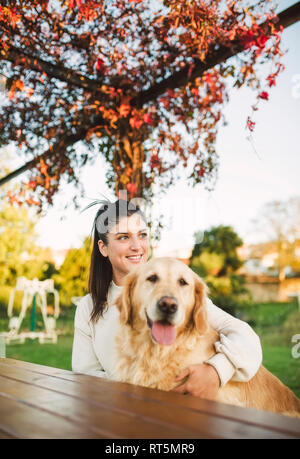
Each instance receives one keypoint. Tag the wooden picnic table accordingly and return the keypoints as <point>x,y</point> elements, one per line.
<point>38,401</point>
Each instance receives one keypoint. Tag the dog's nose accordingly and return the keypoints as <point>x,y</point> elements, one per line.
<point>167,305</point>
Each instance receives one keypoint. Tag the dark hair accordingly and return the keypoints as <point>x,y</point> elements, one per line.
<point>101,271</point>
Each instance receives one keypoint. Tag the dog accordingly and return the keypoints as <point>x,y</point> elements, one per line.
<point>163,329</point>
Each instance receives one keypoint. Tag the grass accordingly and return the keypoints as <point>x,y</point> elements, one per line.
<point>53,355</point>
<point>280,362</point>
<point>275,323</point>
<point>265,315</point>
<point>57,355</point>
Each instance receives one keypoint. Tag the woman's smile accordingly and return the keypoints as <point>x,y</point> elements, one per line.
<point>135,258</point>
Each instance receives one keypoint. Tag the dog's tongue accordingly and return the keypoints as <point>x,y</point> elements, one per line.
<point>163,333</point>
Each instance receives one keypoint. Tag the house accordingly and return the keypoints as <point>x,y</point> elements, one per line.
<point>263,258</point>
<point>261,270</point>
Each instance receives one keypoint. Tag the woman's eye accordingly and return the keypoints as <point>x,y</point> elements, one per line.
<point>144,235</point>
<point>182,282</point>
<point>122,237</point>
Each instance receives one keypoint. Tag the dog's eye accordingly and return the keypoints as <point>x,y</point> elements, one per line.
<point>152,278</point>
<point>182,282</point>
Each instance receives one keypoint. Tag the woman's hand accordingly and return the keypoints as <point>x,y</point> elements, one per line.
<point>201,380</point>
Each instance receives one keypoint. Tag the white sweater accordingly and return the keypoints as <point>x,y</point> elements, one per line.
<point>238,356</point>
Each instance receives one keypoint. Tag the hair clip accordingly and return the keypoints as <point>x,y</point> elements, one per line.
<point>97,202</point>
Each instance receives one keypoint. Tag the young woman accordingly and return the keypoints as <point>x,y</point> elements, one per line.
<point>121,243</point>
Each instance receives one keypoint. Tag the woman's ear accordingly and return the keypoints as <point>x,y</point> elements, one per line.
<point>199,311</point>
<point>102,248</point>
<point>124,301</point>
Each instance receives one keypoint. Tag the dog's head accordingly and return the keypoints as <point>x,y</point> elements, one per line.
<point>165,297</point>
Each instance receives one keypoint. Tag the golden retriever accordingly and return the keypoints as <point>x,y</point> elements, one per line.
<point>163,329</point>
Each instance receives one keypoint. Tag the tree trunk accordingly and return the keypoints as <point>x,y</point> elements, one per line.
<point>129,160</point>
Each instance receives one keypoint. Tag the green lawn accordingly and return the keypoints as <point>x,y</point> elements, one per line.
<point>275,324</point>
<point>53,355</point>
<point>280,362</point>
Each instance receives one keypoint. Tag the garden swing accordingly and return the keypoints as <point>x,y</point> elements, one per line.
<point>34,295</point>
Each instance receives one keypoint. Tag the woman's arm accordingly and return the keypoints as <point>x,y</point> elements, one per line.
<point>239,352</point>
<point>238,357</point>
<point>84,359</point>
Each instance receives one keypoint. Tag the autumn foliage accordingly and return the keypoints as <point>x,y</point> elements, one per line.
<point>141,82</point>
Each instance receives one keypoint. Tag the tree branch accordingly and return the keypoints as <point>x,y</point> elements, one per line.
<point>61,144</point>
<point>182,77</point>
<point>59,72</point>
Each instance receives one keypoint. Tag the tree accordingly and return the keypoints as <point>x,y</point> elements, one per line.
<point>279,222</point>
<point>72,278</point>
<point>141,82</point>
<point>18,238</point>
<point>19,253</point>
<point>216,260</point>
<point>223,241</point>
<point>208,264</point>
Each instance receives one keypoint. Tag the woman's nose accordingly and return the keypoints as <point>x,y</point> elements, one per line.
<point>135,243</point>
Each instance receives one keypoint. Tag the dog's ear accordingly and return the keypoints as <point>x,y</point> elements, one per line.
<point>199,311</point>
<point>124,301</point>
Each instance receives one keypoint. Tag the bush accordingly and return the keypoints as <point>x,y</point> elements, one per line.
<point>228,293</point>
<point>208,264</point>
<point>5,292</point>
<point>72,278</point>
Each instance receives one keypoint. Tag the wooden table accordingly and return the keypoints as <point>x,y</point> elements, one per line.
<point>43,402</point>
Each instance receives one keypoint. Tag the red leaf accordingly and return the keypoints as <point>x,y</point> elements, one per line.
<point>264,95</point>
<point>261,40</point>
<point>250,124</point>
<point>201,171</point>
<point>132,189</point>
<point>72,3</point>
<point>155,161</point>
<point>99,65</point>
<point>148,119</point>
<point>32,184</point>
<point>30,201</point>
<point>271,80</point>
<point>171,93</point>
<point>135,122</point>
<point>124,110</point>
<point>248,39</point>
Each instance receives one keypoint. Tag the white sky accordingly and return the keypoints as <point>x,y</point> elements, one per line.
<point>246,181</point>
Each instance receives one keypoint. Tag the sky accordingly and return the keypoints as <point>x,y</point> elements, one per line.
<point>250,174</point>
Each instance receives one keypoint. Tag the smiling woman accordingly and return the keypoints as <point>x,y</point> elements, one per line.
<point>120,243</point>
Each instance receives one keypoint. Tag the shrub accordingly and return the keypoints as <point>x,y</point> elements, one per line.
<point>228,293</point>
<point>5,292</point>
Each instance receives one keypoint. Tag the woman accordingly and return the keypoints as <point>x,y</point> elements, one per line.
<point>121,243</point>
